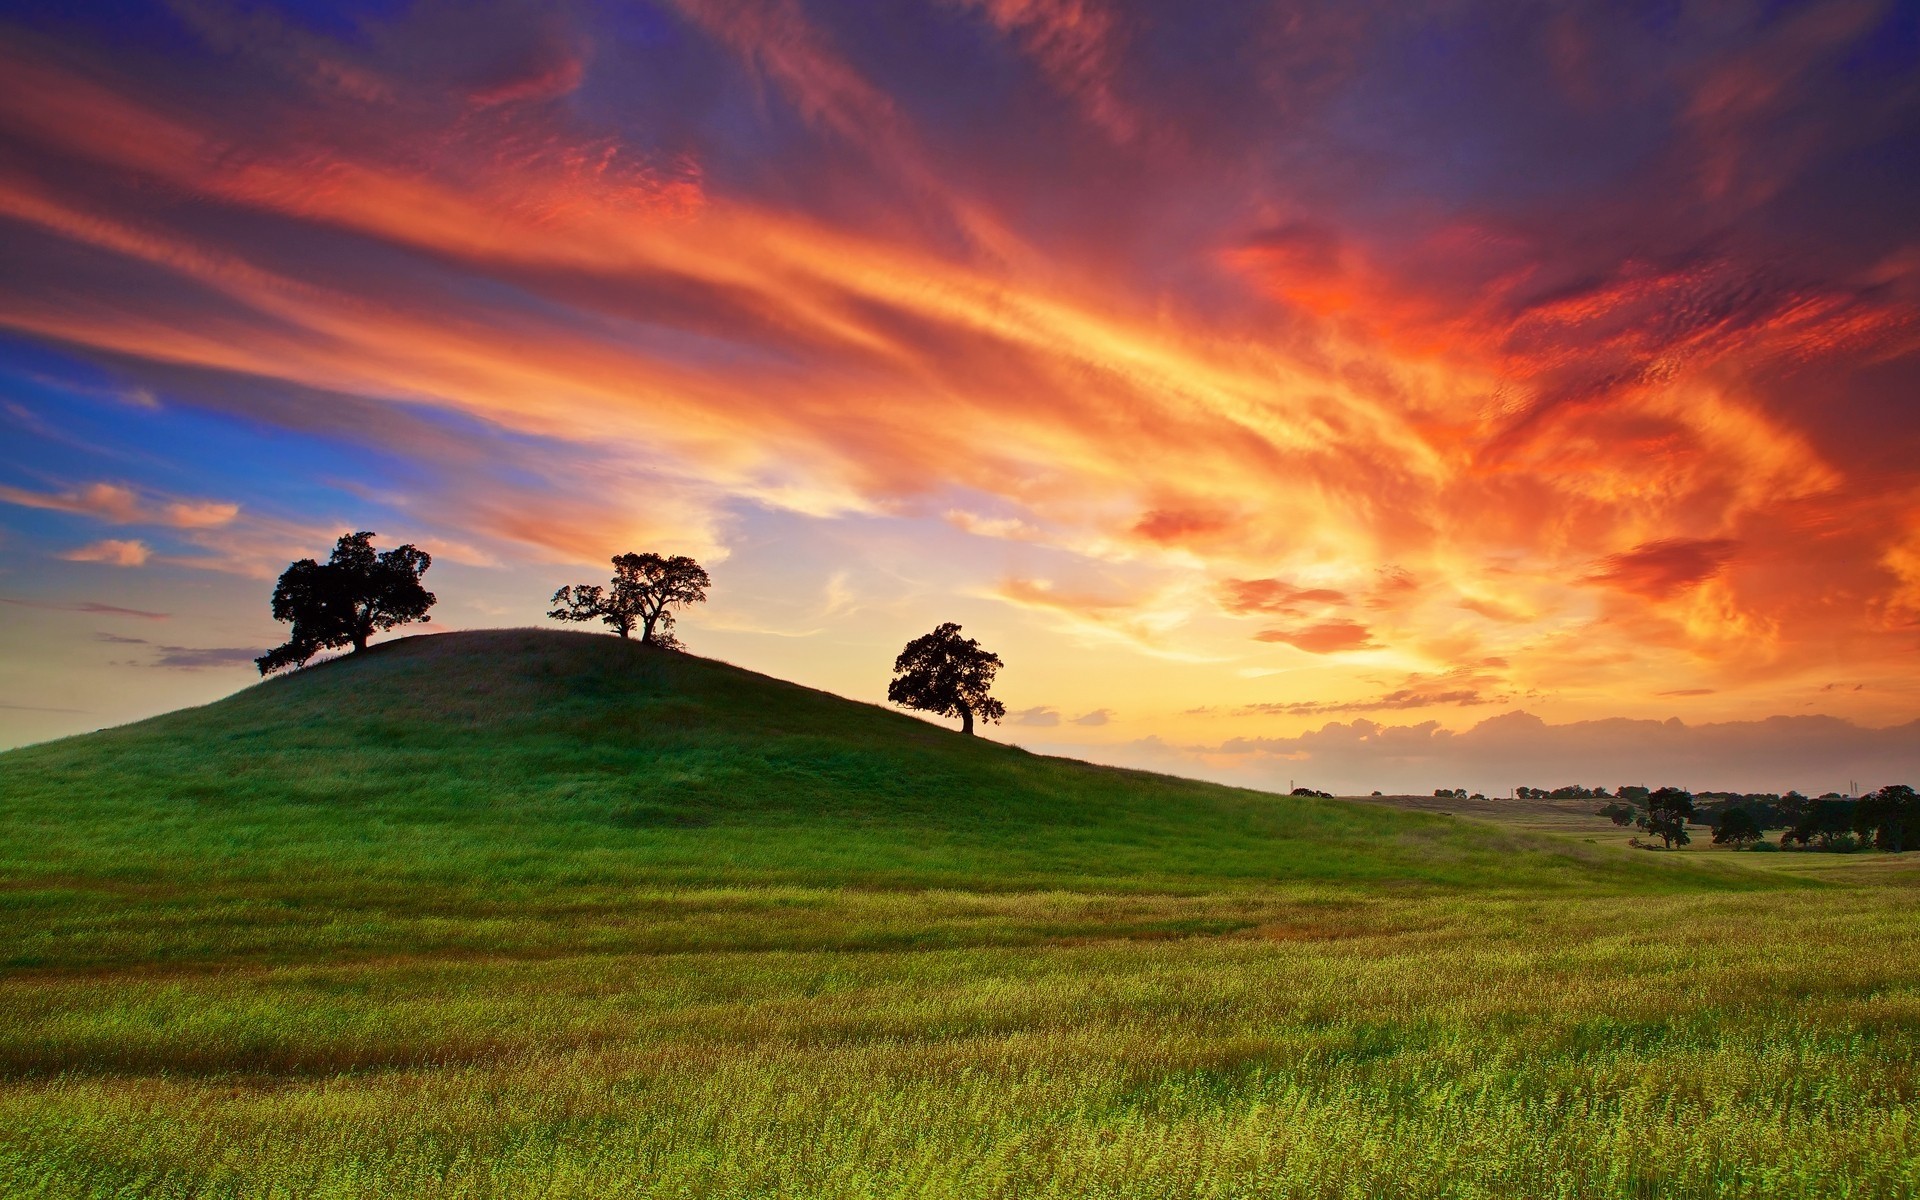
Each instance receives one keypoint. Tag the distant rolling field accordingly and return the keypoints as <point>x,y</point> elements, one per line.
<point>529,913</point>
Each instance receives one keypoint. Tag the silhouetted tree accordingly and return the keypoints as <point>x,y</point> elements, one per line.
<point>1891,816</point>
<point>1618,813</point>
<point>347,599</point>
<point>1793,808</point>
<point>948,675</point>
<point>1737,828</point>
<point>1666,816</point>
<point>645,588</point>
<point>1827,820</point>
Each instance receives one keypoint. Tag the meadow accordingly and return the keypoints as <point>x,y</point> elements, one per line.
<point>545,914</point>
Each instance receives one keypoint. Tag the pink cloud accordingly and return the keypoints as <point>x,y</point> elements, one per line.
<point>113,551</point>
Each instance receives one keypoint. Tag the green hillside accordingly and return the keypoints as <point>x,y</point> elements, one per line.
<point>532,913</point>
<point>518,762</point>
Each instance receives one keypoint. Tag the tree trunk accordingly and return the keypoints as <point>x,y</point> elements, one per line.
<point>966,720</point>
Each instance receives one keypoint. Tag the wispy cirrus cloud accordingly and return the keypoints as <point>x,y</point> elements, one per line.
<point>93,607</point>
<point>1217,328</point>
<point>120,504</point>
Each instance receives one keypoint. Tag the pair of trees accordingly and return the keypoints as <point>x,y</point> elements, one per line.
<point>359,592</point>
<point>644,591</point>
<point>939,672</point>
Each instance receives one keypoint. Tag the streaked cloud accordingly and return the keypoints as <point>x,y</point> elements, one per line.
<point>1279,340</point>
<point>118,552</point>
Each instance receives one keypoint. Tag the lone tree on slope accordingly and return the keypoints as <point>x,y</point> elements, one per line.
<point>948,675</point>
<point>347,599</point>
<point>1666,817</point>
<point>645,587</point>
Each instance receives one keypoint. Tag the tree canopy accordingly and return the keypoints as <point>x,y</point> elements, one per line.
<point>1737,827</point>
<point>1891,817</point>
<point>1666,815</point>
<point>948,675</point>
<point>347,599</point>
<point>644,591</point>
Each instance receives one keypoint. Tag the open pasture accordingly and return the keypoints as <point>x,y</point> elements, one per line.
<point>540,914</point>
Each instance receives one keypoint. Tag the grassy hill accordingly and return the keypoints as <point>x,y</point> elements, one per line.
<point>525,912</point>
<point>536,768</point>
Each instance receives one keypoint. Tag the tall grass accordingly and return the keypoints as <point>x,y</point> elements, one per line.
<point>430,924</point>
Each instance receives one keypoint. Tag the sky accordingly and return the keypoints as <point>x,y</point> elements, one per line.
<point>1338,394</point>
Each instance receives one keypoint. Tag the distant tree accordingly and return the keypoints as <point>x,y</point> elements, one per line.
<point>1632,794</point>
<point>645,589</point>
<point>1666,815</point>
<point>1891,817</point>
<point>1793,806</point>
<point>1306,791</point>
<point>1619,814</point>
<point>948,675</point>
<point>1827,820</point>
<point>1737,828</point>
<point>344,601</point>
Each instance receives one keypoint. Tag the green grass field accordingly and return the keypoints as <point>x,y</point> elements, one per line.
<point>544,914</point>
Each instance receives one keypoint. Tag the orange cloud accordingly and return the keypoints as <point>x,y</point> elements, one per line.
<point>1243,597</point>
<point>1663,568</point>
<point>1469,403</point>
<point>1325,637</point>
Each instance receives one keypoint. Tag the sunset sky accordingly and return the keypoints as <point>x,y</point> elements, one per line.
<point>1363,395</point>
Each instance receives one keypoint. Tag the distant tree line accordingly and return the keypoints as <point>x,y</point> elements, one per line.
<point>1887,819</point>
<point>1574,792</point>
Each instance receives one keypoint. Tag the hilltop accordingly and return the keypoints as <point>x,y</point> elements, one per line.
<point>546,758</point>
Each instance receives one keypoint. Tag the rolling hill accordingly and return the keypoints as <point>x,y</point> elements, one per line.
<point>521,912</point>
<point>530,758</point>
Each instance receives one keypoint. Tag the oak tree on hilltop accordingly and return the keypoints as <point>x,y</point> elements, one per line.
<point>347,599</point>
<point>644,590</point>
<point>947,675</point>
